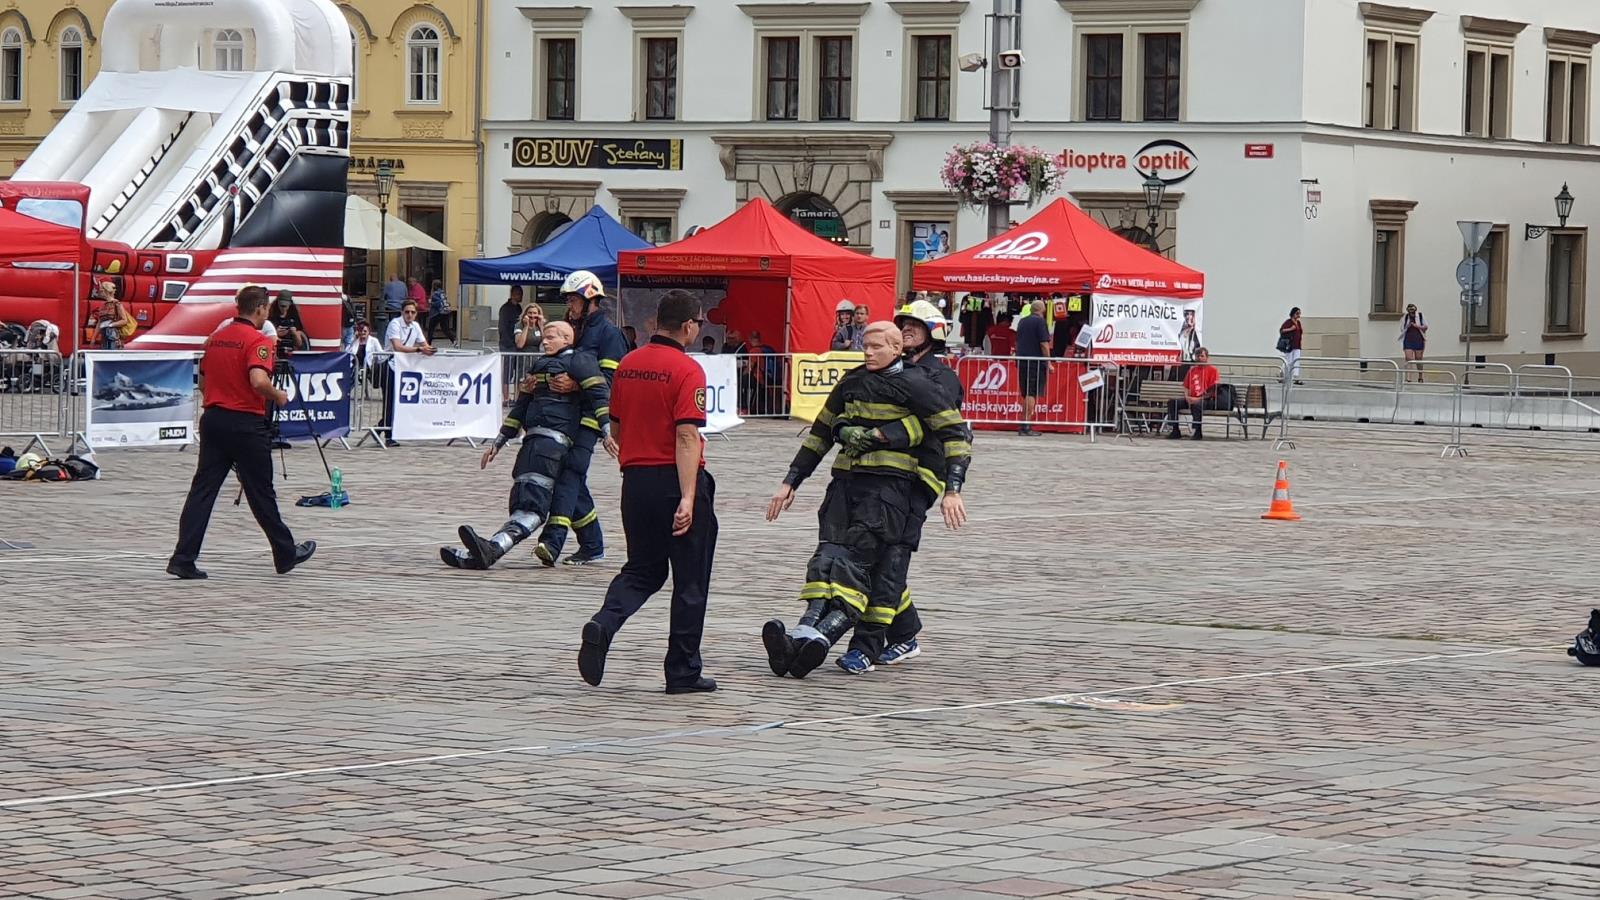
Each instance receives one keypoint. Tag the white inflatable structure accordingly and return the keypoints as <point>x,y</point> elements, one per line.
<point>161,138</point>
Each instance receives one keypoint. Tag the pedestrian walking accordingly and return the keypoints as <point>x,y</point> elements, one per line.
<point>1033,343</point>
<point>1414,338</point>
<point>1290,335</point>
<point>658,406</point>
<point>236,382</point>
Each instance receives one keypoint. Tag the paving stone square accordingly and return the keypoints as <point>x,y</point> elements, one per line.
<point>1132,687</point>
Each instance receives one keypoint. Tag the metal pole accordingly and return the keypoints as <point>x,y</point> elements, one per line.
<point>1000,35</point>
<point>383,248</point>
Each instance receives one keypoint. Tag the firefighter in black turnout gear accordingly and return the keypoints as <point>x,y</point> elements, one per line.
<point>869,521</point>
<point>923,330</point>
<point>1586,646</point>
<point>550,419</point>
<point>573,506</point>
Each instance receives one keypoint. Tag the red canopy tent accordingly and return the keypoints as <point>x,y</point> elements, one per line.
<point>1061,249</point>
<point>39,273</point>
<point>781,278</point>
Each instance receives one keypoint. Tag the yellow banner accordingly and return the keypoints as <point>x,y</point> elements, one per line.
<point>813,376</point>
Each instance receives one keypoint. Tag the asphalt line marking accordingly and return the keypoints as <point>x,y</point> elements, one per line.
<point>805,525</point>
<point>727,730</point>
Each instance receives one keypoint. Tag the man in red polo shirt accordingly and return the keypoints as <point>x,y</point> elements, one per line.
<point>658,406</point>
<point>1199,385</point>
<point>236,381</point>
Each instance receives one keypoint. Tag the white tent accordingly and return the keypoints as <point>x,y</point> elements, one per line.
<point>363,229</point>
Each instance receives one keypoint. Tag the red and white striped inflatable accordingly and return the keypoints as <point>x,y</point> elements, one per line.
<point>315,276</point>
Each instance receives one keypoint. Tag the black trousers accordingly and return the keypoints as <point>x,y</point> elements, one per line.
<point>231,440</point>
<point>1196,412</point>
<point>649,498</point>
<point>890,586</point>
<point>573,506</point>
<point>386,422</point>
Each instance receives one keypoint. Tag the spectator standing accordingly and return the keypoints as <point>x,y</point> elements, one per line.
<point>347,321</point>
<point>631,336</point>
<point>1199,387</point>
<point>763,364</point>
<point>1290,335</point>
<point>394,294</point>
<point>112,322</point>
<point>403,335</point>
<point>1033,342</point>
<point>368,353</point>
<point>708,345</point>
<point>844,326</point>
<point>415,291</point>
<point>859,323</point>
<point>529,330</point>
<point>657,410</point>
<point>509,321</point>
<point>440,314</point>
<point>1414,338</point>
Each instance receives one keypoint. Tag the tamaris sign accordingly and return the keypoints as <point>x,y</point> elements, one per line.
<point>1170,161</point>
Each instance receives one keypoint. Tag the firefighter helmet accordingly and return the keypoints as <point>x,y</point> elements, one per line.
<point>928,314</point>
<point>585,284</point>
<point>845,306</point>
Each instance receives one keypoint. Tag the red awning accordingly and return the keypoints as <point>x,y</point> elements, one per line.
<point>757,240</point>
<point>1061,249</point>
<point>33,242</point>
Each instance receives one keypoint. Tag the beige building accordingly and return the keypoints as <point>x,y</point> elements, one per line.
<point>416,105</point>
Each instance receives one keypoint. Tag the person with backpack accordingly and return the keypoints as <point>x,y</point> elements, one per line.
<point>112,322</point>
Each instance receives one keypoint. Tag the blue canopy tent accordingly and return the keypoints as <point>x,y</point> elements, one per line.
<point>591,242</point>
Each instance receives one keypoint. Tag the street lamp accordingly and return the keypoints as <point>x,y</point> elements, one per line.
<point>384,179</point>
<point>1155,192</point>
<point>1564,202</point>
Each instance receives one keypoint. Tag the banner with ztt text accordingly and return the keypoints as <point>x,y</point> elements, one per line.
<point>446,397</point>
<point>812,378</point>
<point>722,392</point>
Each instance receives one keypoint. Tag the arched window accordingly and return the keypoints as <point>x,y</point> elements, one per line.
<point>422,65</point>
<point>229,48</point>
<point>71,64</point>
<point>11,66</point>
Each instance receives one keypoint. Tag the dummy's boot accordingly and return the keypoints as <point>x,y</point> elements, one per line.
<point>456,558</point>
<point>488,552</point>
<point>813,643</point>
<point>780,648</point>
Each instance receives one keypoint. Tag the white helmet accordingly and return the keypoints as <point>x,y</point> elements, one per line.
<point>583,283</point>
<point>848,306</point>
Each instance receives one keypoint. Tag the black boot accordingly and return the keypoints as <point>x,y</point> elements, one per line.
<point>484,553</point>
<point>1198,435</point>
<point>1174,435</point>
<point>780,647</point>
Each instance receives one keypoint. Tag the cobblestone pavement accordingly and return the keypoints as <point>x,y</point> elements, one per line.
<point>1132,687</point>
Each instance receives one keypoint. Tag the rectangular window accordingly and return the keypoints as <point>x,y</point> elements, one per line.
<point>783,78</point>
<point>11,74</point>
<point>71,72</point>
<point>933,78</point>
<point>1488,92</point>
<point>661,78</point>
<point>1564,294</point>
<point>833,78</point>
<point>560,78</point>
<point>1578,109</point>
<point>1566,109</point>
<point>1103,77</point>
<point>1389,98</point>
<point>1387,269</point>
<point>654,230</point>
<point>1487,319</point>
<point>1163,58</point>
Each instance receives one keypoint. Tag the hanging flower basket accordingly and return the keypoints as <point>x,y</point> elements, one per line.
<point>980,174</point>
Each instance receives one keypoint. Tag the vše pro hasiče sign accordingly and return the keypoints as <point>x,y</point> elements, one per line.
<point>1141,329</point>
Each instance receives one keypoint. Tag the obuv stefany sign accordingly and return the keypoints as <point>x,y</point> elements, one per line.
<point>1169,161</point>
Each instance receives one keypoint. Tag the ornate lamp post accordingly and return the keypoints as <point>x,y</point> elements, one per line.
<point>384,179</point>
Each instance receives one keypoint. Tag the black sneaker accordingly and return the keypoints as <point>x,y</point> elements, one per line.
<point>545,554</point>
<point>584,558</point>
<point>592,654</point>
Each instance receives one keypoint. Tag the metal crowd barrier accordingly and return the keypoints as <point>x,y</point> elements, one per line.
<point>34,397</point>
<point>763,384</point>
<point>1257,386</point>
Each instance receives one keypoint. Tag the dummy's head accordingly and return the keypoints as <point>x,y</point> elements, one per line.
<point>881,345</point>
<point>557,337</point>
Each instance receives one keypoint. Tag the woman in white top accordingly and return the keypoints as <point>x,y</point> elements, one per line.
<point>403,335</point>
<point>367,351</point>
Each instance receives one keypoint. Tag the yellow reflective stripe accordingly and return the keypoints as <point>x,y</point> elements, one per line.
<point>814,444</point>
<point>602,411</point>
<point>945,419</point>
<point>878,615</point>
<point>957,448</point>
<point>888,459</point>
<point>913,429</point>
<point>586,521</point>
<point>823,590</point>
<point>512,423</point>
<point>905,602</point>
<point>589,423</point>
<point>930,479</point>
<point>825,416</point>
<point>608,364</point>
<point>560,522</point>
<point>592,382</point>
<point>859,409</point>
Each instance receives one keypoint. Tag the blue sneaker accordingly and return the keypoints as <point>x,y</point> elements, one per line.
<point>856,663</point>
<point>899,653</point>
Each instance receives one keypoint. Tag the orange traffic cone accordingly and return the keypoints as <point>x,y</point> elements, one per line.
<point>1282,508</point>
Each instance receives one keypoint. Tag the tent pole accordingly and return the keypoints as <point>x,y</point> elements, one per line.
<point>788,315</point>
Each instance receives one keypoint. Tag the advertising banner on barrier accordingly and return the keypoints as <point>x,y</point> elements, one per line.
<point>722,392</point>
<point>994,395</point>
<point>139,399</point>
<point>446,396</point>
<point>813,376</point>
<point>1129,328</point>
<point>319,397</point>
